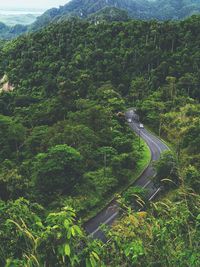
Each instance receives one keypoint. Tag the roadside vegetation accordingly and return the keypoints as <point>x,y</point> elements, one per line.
<point>65,150</point>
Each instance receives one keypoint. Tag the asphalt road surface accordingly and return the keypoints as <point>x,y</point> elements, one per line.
<point>109,214</point>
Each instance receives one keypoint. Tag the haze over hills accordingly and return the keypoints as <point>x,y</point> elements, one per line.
<point>13,16</point>
<point>140,9</point>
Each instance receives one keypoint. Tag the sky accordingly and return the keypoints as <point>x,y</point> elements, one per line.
<point>39,4</point>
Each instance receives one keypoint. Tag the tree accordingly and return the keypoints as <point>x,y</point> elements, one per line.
<point>34,143</point>
<point>139,88</point>
<point>58,170</point>
<point>123,166</point>
<point>109,97</point>
<point>167,170</point>
<point>12,184</point>
<point>192,178</point>
<point>12,135</point>
<point>123,144</point>
<point>100,182</point>
<point>151,110</point>
<point>171,87</point>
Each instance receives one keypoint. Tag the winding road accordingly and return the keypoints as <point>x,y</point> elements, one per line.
<point>109,214</point>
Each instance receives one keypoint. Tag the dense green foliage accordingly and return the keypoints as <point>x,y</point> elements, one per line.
<point>167,235</point>
<point>60,131</point>
<point>37,240</point>
<point>63,142</point>
<point>144,55</point>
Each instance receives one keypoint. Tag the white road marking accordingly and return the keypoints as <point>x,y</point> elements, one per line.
<point>149,139</point>
<point>106,222</point>
<point>154,194</point>
<point>147,184</point>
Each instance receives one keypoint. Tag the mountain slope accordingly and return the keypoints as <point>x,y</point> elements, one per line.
<point>140,9</point>
<point>84,8</point>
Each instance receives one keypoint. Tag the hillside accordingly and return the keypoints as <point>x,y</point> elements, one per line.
<point>66,148</point>
<point>140,9</point>
<point>84,9</point>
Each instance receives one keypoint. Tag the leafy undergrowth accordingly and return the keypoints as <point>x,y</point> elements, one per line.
<point>166,235</point>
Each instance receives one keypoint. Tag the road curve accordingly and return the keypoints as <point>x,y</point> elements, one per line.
<point>109,214</point>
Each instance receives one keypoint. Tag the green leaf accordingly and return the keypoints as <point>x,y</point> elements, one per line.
<point>127,251</point>
<point>59,235</point>
<point>73,232</point>
<point>78,230</point>
<point>67,250</point>
<point>66,224</point>
<point>69,233</point>
<point>39,223</point>
<point>92,261</point>
<point>87,263</point>
<point>95,255</point>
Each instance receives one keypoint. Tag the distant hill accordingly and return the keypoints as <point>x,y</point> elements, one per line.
<point>9,32</point>
<point>13,19</point>
<point>140,9</point>
<point>85,8</point>
<point>111,10</point>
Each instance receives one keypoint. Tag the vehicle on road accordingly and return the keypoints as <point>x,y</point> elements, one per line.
<point>129,120</point>
<point>141,126</point>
